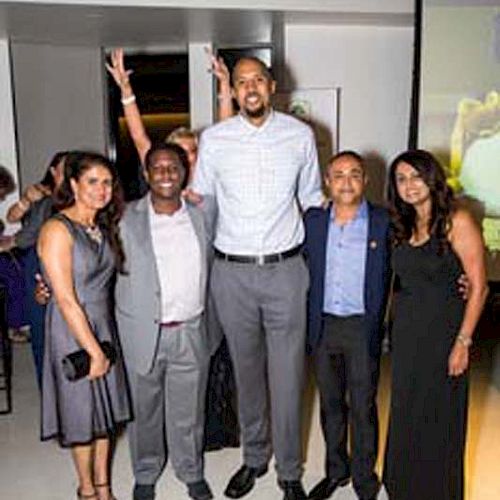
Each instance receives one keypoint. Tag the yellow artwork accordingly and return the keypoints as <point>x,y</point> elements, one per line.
<point>474,168</point>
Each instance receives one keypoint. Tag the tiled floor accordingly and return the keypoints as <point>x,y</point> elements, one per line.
<point>32,470</point>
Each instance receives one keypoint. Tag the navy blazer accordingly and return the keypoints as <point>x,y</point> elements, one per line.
<point>377,273</point>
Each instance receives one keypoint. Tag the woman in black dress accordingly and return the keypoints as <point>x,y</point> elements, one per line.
<point>434,242</point>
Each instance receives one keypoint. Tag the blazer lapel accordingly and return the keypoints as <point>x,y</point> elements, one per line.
<point>324,227</point>
<point>200,231</point>
<point>142,228</point>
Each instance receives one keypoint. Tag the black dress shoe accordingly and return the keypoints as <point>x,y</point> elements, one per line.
<point>144,492</point>
<point>243,480</point>
<point>199,490</point>
<point>326,487</point>
<point>293,490</point>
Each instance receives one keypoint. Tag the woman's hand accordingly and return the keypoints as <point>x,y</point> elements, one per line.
<point>99,365</point>
<point>35,192</point>
<point>220,71</point>
<point>119,73</point>
<point>458,361</point>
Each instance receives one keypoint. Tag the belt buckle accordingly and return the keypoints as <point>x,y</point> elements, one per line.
<point>261,260</point>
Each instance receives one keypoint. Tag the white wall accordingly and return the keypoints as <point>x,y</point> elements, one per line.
<point>8,157</point>
<point>373,66</point>
<point>59,103</point>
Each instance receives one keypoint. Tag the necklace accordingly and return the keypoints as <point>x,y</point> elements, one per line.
<point>94,233</point>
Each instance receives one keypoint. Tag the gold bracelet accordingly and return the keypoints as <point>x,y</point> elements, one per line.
<point>464,339</point>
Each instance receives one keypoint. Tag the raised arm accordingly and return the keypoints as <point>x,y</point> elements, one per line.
<point>31,194</point>
<point>219,69</point>
<point>55,250</point>
<point>467,242</point>
<point>135,125</point>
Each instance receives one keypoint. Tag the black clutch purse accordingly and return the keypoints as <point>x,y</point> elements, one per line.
<point>76,365</point>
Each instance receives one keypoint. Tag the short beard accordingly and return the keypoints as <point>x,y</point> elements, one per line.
<point>256,113</point>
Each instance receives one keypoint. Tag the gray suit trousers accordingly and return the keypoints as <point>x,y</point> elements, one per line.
<point>262,310</point>
<point>169,406</point>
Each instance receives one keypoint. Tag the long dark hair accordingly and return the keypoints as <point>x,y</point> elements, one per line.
<point>48,178</point>
<point>107,218</point>
<point>442,202</point>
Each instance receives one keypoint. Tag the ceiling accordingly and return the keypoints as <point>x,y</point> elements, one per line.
<point>147,27</point>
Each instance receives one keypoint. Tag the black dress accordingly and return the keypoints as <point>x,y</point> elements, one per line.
<point>426,438</point>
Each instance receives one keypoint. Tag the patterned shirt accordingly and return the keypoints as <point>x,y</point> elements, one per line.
<point>261,178</point>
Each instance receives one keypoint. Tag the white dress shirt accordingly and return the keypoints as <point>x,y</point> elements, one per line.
<point>178,261</point>
<point>259,176</point>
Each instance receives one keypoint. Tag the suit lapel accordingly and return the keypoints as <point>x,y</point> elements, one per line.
<point>324,227</point>
<point>142,228</point>
<point>200,231</point>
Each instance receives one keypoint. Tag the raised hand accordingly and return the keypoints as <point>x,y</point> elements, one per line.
<point>116,68</point>
<point>219,69</point>
<point>221,72</point>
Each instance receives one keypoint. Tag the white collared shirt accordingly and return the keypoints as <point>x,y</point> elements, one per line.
<point>178,261</point>
<point>259,176</point>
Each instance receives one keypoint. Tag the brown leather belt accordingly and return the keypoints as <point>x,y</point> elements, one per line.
<point>260,260</point>
<point>171,324</point>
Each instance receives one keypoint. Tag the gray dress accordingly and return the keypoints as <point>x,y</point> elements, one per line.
<point>80,411</point>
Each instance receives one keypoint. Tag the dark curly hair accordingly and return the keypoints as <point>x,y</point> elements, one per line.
<point>442,200</point>
<point>107,218</point>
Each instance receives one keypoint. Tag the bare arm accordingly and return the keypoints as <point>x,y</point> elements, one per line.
<point>55,250</point>
<point>225,107</point>
<point>31,194</point>
<point>133,118</point>
<point>467,242</point>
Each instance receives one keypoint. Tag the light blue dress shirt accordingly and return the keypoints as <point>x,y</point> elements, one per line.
<point>345,264</point>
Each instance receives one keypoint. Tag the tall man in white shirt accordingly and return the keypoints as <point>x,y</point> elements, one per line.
<point>159,310</point>
<point>261,168</point>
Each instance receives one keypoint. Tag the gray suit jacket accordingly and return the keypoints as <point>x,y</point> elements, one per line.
<point>138,295</point>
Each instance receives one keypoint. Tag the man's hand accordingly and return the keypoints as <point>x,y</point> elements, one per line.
<point>463,284</point>
<point>191,196</point>
<point>42,291</point>
<point>117,70</point>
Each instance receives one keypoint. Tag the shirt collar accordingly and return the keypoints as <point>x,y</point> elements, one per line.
<point>181,211</point>
<point>266,123</point>
<point>361,213</point>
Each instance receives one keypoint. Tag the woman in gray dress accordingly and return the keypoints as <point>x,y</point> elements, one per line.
<point>80,250</point>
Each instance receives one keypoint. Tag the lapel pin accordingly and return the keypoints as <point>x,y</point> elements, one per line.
<point>373,244</point>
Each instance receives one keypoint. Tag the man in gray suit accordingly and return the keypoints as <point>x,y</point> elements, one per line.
<point>160,313</point>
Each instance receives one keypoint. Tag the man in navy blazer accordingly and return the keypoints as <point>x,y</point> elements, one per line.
<point>347,251</point>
